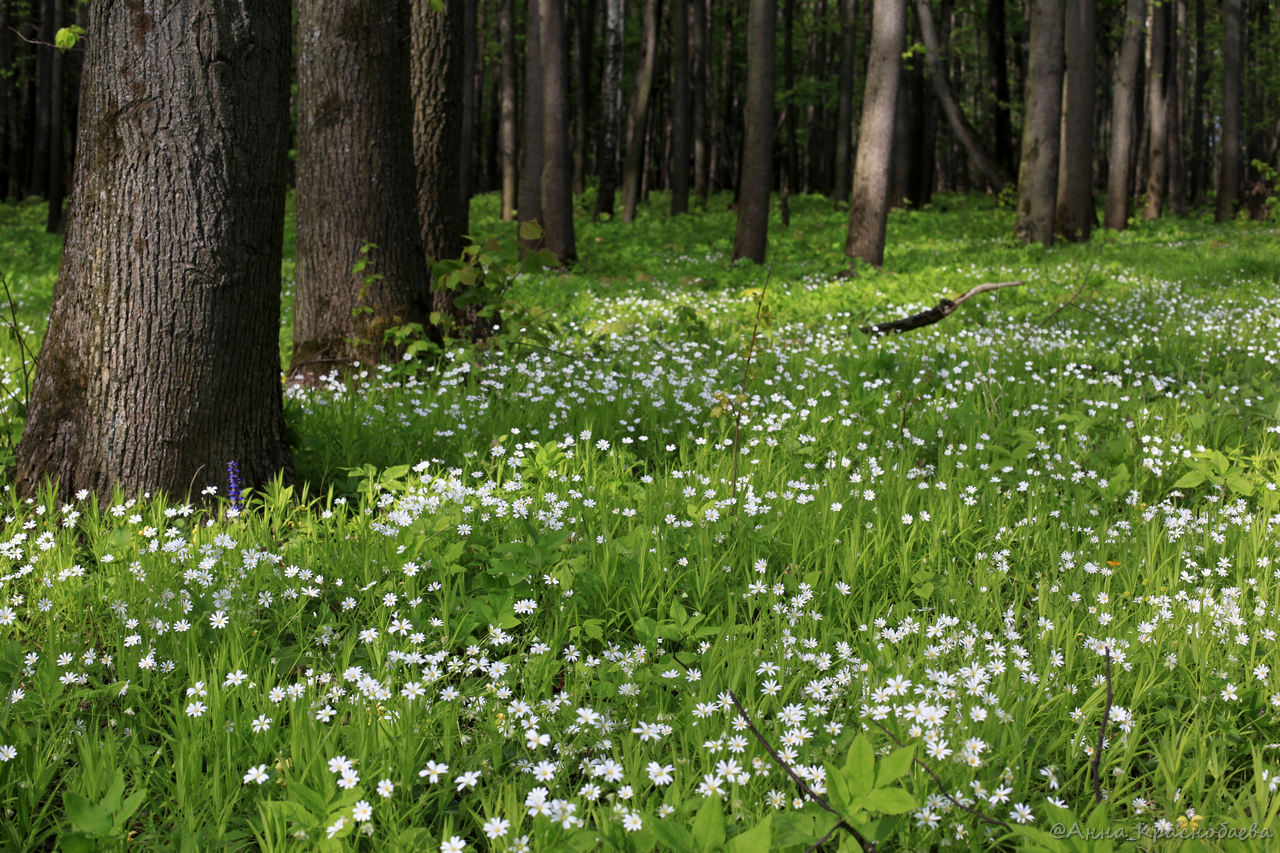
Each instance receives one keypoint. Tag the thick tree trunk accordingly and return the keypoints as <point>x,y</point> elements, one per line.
<point>964,132</point>
<point>1038,169</point>
<point>557,159</point>
<point>1232,94</point>
<point>610,109</point>
<point>639,114</point>
<point>698,75</point>
<point>361,269</point>
<point>681,144</point>
<point>529,205</point>
<point>869,208</point>
<point>844,104</point>
<point>438,73</point>
<point>790,155</point>
<point>507,107</point>
<point>1157,110</point>
<point>1076,214</point>
<point>1119,162</point>
<point>161,362</point>
<point>751,235</point>
<point>998,57</point>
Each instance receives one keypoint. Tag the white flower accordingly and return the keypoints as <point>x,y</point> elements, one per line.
<point>1229,693</point>
<point>362,812</point>
<point>660,774</point>
<point>496,827</point>
<point>467,780</point>
<point>256,774</point>
<point>1021,813</point>
<point>453,845</point>
<point>632,822</point>
<point>385,787</point>
<point>196,709</point>
<point>433,771</point>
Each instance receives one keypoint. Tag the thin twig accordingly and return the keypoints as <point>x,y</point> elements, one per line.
<point>1084,279</point>
<point>932,315</point>
<point>994,821</point>
<point>41,43</point>
<point>804,787</point>
<point>1102,733</point>
<point>746,367</point>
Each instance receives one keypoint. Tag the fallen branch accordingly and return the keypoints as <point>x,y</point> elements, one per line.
<point>934,314</point>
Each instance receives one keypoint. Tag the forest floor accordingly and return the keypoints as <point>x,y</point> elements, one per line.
<point>524,603</point>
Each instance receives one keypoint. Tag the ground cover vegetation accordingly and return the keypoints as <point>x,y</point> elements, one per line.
<point>681,553</point>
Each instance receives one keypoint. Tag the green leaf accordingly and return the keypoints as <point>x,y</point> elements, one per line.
<point>708,826</point>
<point>672,834</point>
<point>1190,480</point>
<point>1240,485</point>
<point>530,230</point>
<point>894,767</point>
<point>860,766</point>
<point>888,801</point>
<point>68,37</point>
<point>756,838</point>
<point>86,816</point>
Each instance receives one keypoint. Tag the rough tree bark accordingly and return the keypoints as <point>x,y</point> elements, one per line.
<point>1199,142</point>
<point>1123,98</point>
<point>986,163</point>
<point>1158,73</point>
<point>610,109</point>
<point>639,114</point>
<point>56,191</point>
<point>161,362</point>
<point>680,118</point>
<point>1176,198</point>
<point>1038,170</point>
<point>698,79</point>
<point>557,158</point>
<point>584,40</point>
<point>998,57</point>
<point>355,184</point>
<point>1076,215</point>
<point>844,104</point>
<point>507,107</point>
<point>1232,94</point>
<point>751,235</point>
<point>470,107</point>
<point>869,208</point>
<point>529,204</point>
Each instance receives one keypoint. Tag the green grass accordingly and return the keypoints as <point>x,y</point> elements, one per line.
<point>544,574</point>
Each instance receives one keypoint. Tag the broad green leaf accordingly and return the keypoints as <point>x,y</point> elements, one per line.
<point>1189,480</point>
<point>87,816</point>
<point>756,838</point>
<point>895,766</point>
<point>888,801</point>
<point>708,826</point>
<point>530,230</point>
<point>859,766</point>
<point>672,834</point>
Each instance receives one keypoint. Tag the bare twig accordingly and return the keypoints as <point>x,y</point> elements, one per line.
<point>1084,279</point>
<point>1102,734</point>
<point>936,313</point>
<point>41,43</point>
<point>746,368</point>
<point>994,821</point>
<point>804,786</point>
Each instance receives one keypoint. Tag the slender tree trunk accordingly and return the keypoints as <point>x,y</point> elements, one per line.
<point>698,74</point>
<point>750,238</point>
<point>529,204</point>
<point>57,164</point>
<point>466,125</point>
<point>1175,64</point>
<point>610,109</point>
<point>1157,110</point>
<point>869,208</point>
<point>1076,214</point>
<point>1122,117</point>
<point>584,29</point>
<point>507,107</point>
<point>681,143</point>
<point>557,159</point>
<point>844,104</point>
<point>960,126</point>
<point>356,184</point>
<point>1232,56</point>
<point>1199,145</point>
<point>1038,169</point>
<point>998,56</point>
<point>821,146</point>
<point>790,154</point>
<point>161,362</point>
<point>639,118</point>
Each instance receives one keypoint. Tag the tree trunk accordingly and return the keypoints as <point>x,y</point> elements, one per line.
<point>698,74</point>
<point>529,205</point>
<point>639,114</point>
<point>681,144</point>
<point>1199,143</point>
<point>8,120</point>
<point>610,109</point>
<point>790,155</point>
<point>56,190</point>
<point>869,208</point>
<point>1229,160</point>
<point>821,154</point>
<point>584,24</point>
<point>1157,110</point>
<point>466,124</point>
<point>38,181</point>
<point>161,362</point>
<point>1119,163</point>
<point>998,56</point>
<point>964,132</point>
<point>844,104</point>
<point>751,235</point>
<point>361,269</point>
<point>1076,214</point>
<point>507,107</point>
<point>557,159</point>
<point>1038,169</point>
<point>1175,63</point>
